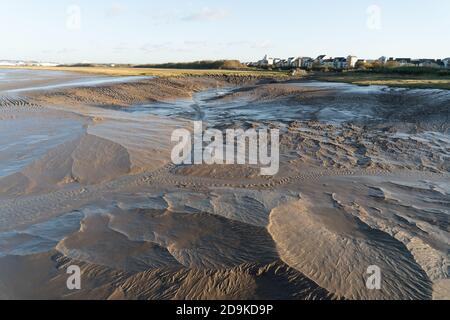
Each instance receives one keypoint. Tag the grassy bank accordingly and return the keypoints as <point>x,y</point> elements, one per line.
<point>199,65</point>
<point>160,72</point>
<point>420,81</point>
<point>405,80</point>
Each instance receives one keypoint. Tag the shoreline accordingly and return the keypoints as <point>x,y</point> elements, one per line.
<point>157,72</point>
<point>356,78</point>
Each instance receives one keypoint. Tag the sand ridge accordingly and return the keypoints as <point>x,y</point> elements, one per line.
<point>350,193</point>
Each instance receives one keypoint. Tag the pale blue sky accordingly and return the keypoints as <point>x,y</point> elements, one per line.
<point>146,31</point>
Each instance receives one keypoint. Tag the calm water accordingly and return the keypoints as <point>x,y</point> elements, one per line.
<point>41,237</point>
<point>24,140</point>
<point>205,106</point>
<point>33,80</point>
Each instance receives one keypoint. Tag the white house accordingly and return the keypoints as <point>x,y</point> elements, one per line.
<point>320,59</point>
<point>351,61</point>
<point>297,63</point>
<point>430,63</point>
<point>266,61</point>
<point>382,60</point>
<point>12,63</point>
<point>446,62</point>
<point>303,62</point>
<point>404,61</point>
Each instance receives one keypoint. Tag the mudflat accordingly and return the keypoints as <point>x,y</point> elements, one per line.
<point>86,179</point>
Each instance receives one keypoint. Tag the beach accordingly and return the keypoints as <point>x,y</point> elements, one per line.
<point>86,179</point>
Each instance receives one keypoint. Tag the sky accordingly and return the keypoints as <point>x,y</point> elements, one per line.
<point>147,31</point>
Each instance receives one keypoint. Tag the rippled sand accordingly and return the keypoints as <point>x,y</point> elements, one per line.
<point>86,179</point>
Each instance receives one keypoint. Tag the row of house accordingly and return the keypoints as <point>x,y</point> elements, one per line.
<point>21,63</point>
<point>307,62</point>
<point>432,63</point>
<point>342,63</point>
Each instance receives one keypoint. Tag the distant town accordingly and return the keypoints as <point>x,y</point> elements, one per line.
<point>23,63</point>
<point>322,63</point>
<point>350,62</point>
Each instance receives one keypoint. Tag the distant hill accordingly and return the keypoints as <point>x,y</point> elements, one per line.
<point>206,64</point>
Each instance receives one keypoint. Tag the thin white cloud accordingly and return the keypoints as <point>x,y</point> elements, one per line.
<point>250,44</point>
<point>59,51</point>
<point>116,9</point>
<point>153,47</point>
<point>196,45</point>
<point>262,45</point>
<point>184,46</point>
<point>163,17</point>
<point>207,14</point>
<point>122,47</point>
